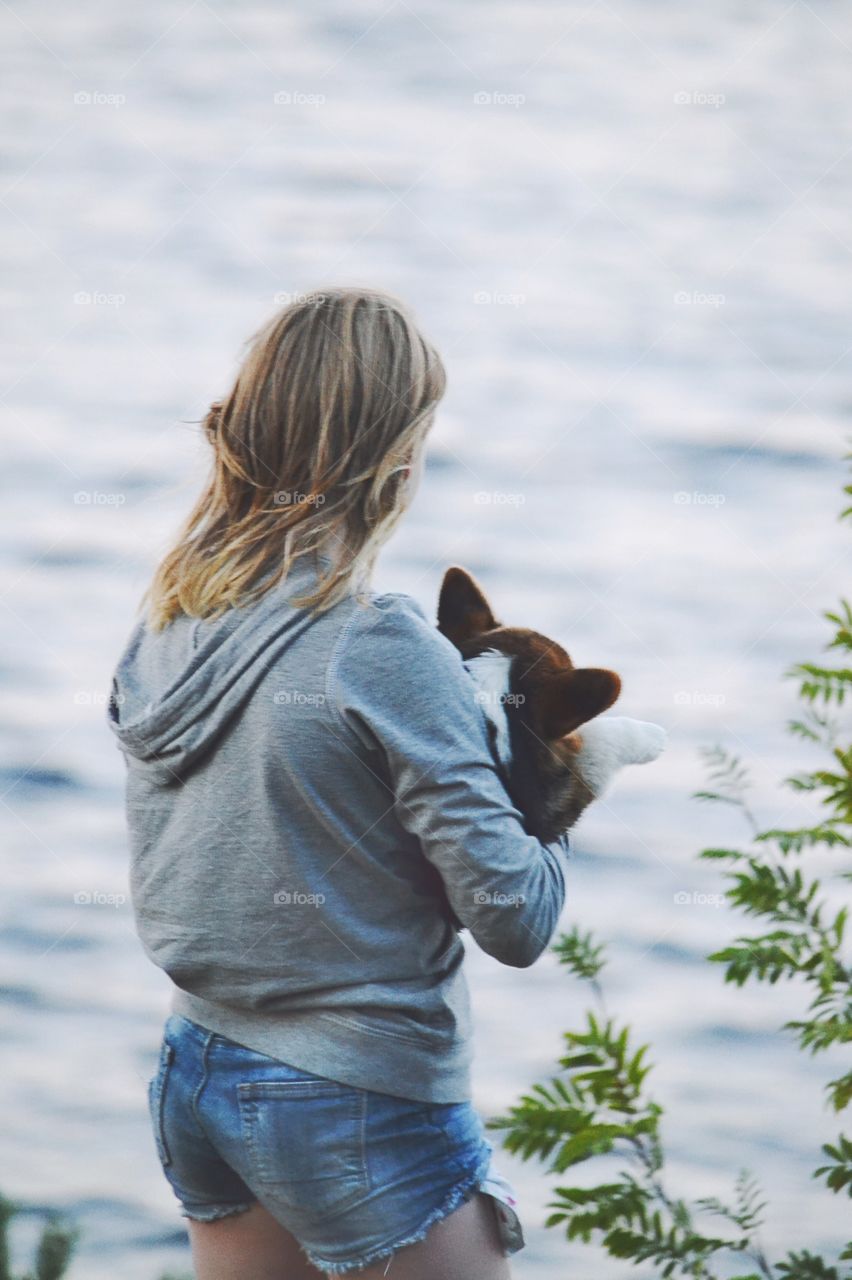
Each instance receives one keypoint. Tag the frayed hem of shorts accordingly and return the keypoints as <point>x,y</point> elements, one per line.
<point>214,1213</point>
<point>452,1201</point>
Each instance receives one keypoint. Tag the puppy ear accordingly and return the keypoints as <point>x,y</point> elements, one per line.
<point>463,611</point>
<point>565,701</point>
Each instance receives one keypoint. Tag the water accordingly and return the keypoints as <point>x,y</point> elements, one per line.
<point>642,303</point>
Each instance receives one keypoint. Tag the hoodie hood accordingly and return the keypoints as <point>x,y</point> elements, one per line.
<point>175,691</point>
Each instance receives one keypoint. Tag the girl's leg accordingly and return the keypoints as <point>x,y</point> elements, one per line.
<point>248,1246</point>
<point>463,1246</point>
<point>253,1246</point>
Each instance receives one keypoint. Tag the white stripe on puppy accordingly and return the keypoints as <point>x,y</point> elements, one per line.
<point>490,673</point>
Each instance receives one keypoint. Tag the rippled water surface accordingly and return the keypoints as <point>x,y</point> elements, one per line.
<point>626,226</point>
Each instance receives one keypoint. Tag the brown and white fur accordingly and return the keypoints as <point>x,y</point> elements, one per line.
<point>536,700</point>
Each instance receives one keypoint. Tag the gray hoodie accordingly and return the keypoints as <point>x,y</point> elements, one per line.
<point>314,814</point>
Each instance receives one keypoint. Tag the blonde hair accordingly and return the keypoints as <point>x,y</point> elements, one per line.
<point>311,450</point>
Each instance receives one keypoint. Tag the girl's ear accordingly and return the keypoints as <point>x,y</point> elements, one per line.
<point>463,611</point>
<point>565,701</point>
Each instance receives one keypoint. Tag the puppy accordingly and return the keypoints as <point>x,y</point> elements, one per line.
<point>554,754</point>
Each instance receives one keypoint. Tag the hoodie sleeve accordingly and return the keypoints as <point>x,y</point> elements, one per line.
<point>400,685</point>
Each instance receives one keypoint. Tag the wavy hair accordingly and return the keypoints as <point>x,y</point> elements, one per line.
<point>312,448</point>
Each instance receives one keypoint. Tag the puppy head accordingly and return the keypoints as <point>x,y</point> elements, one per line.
<point>534,698</point>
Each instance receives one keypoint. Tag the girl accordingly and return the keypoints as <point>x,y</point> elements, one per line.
<point>314,816</point>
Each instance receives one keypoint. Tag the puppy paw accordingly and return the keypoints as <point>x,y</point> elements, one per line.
<point>649,741</point>
<point>608,743</point>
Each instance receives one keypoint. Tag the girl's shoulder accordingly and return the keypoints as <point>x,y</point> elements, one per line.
<point>391,629</point>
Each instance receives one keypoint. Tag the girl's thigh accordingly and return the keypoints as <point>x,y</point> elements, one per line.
<point>254,1246</point>
<point>463,1246</point>
<point>248,1246</point>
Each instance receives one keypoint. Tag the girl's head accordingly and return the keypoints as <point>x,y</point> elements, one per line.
<point>313,448</point>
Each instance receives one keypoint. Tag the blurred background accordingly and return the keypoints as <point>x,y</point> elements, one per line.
<point>626,227</point>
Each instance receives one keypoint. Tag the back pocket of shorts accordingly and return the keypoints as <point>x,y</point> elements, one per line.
<point>305,1141</point>
<point>156,1101</point>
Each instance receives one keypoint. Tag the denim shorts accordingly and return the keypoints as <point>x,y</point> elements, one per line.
<point>352,1174</point>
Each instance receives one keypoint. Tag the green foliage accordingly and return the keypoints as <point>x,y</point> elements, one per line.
<point>809,944</point>
<point>55,1247</point>
<point>748,1206</point>
<point>729,779</point>
<point>578,952</point>
<point>838,1174</point>
<point>805,1266</point>
<point>597,1105</point>
<point>7,1212</point>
